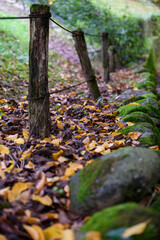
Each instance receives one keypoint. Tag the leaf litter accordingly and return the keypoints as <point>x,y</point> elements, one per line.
<point>34,200</point>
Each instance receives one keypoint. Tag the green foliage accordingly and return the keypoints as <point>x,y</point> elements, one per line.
<point>125,30</point>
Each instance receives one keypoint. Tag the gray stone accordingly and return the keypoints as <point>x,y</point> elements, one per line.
<point>124,175</point>
<point>129,93</point>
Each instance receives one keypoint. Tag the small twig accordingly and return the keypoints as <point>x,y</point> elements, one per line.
<point>152,198</point>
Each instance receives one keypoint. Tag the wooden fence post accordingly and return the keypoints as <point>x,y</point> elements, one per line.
<point>105,56</point>
<point>81,47</point>
<point>38,70</point>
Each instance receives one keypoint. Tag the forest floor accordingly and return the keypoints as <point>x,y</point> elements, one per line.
<point>34,186</point>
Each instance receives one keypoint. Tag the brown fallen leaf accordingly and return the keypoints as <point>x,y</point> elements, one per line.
<point>45,200</point>
<point>17,189</point>
<point>134,135</point>
<point>136,229</point>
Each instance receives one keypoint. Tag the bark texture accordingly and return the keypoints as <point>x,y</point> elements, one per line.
<point>38,71</point>
<point>81,47</point>
<point>105,56</point>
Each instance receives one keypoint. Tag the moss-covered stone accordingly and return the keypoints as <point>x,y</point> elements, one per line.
<point>123,175</point>
<point>138,117</point>
<point>151,110</point>
<point>143,97</point>
<point>110,220</point>
<point>150,134</point>
<point>150,101</point>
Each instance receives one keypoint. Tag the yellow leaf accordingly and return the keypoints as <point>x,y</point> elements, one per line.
<point>72,127</point>
<point>3,149</point>
<point>12,137</point>
<point>57,154</point>
<point>115,134</point>
<point>69,172</point>
<point>53,232</point>
<point>56,142</point>
<point>2,173</point>
<point>25,134</point>
<point>46,200</point>
<point>39,231</point>
<point>62,159</point>
<point>130,124</point>
<point>133,103</point>
<point>93,235</point>
<point>100,149</point>
<point>31,231</point>
<point>19,141</point>
<point>92,145</point>
<point>120,124</point>
<point>134,135</point>
<point>17,189</point>
<point>154,147</point>
<point>2,237</point>
<point>24,197</point>
<point>30,165</point>
<point>136,229</point>
<point>86,141</point>
<point>75,166</point>
<point>68,234</point>
<point>52,215</point>
<point>106,106</point>
<point>120,142</point>
<point>106,152</point>
<point>45,140</point>
<point>90,107</point>
<point>60,125</point>
<point>31,220</point>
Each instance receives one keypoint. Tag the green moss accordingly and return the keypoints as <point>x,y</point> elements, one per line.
<point>138,117</point>
<point>135,99</point>
<point>124,215</point>
<point>148,108</point>
<point>98,168</point>
<point>150,63</point>
<point>39,8</point>
<point>150,135</point>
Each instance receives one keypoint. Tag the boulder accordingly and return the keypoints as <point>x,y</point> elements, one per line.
<point>112,223</point>
<point>124,175</point>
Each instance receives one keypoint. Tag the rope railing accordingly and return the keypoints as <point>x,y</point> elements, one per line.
<point>46,16</point>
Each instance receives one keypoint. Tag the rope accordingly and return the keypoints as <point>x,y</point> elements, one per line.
<point>28,17</point>
<point>60,26</point>
<point>57,91</point>
<point>45,16</point>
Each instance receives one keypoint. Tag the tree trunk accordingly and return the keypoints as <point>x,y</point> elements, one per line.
<point>81,47</point>
<point>105,56</point>
<point>38,71</point>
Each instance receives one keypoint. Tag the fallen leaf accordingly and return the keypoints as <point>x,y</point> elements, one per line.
<point>57,154</point>
<point>93,235</point>
<point>56,142</point>
<point>17,189</point>
<point>134,135</point>
<point>68,234</point>
<point>46,200</point>
<point>25,134</point>
<point>136,229</point>
<point>100,149</point>
<point>19,141</point>
<point>41,183</point>
<point>31,231</point>
<point>3,149</point>
<point>133,103</point>
<point>53,232</point>
<point>69,172</point>
<point>2,237</point>
<point>12,137</point>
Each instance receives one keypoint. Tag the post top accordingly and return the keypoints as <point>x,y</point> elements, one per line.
<point>39,9</point>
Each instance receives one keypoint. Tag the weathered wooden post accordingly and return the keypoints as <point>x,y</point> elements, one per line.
<point>81,47</point>
<point>38,69</point>
<point>105,56</point>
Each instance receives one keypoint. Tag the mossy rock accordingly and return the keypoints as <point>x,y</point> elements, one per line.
<point>112,222</point>
<point>151,110</point>
<point>150,63</point>
<point>150,134</point>
<point>138,117</point>
<point>137,98</point>
<point>147,82</point>
<point>129,93</point>
<point>125,174</point>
